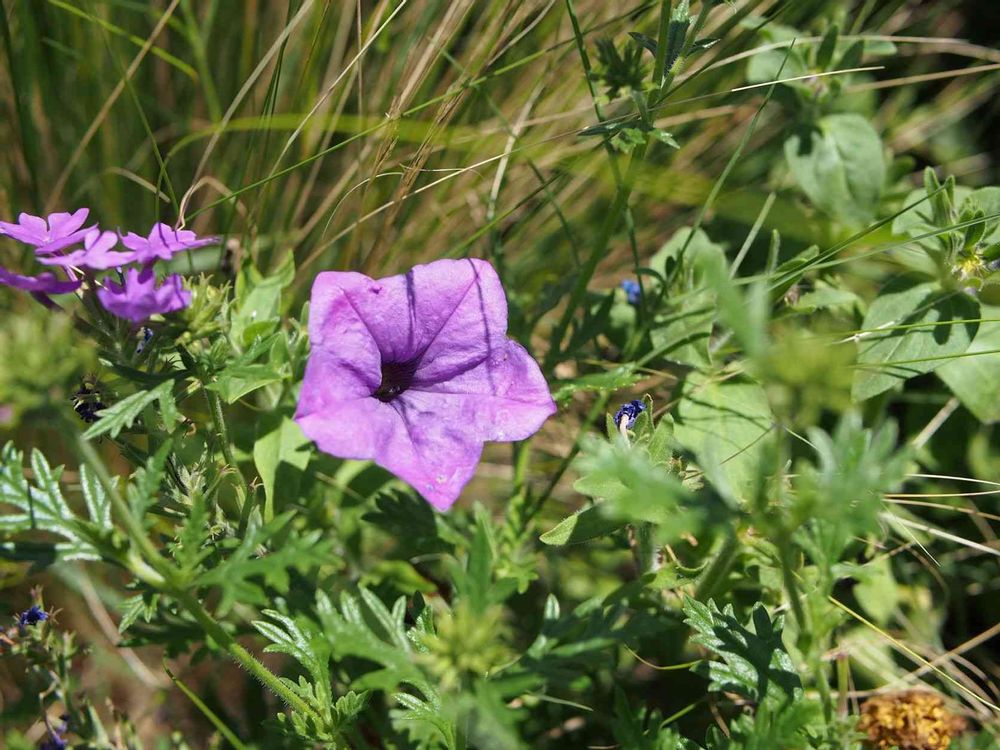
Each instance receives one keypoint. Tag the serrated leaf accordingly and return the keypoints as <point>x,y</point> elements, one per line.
<point>349,634</point>
<point>754,662</point>
<point>264,558</point>
<point>143,491</point>
<point>41,507</point>
<point>908,332</point>
<point>96,499</point>
<point>113,420</point>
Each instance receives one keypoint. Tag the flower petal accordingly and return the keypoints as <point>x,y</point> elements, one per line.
<point>448,314</point>
<point>62,224</point>
<point>140,297</point>
<point>46,283</point>
<point>504,398</point>
<point>414,444</point>
<point>345,362</point>
<point>96,254</point>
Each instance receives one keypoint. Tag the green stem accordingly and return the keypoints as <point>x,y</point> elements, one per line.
<point>719,567</point>
<point>792,585</point>
<point>645,550</point>
<point>151,567</point>
<point>239,654</point>
<point>219,423</point>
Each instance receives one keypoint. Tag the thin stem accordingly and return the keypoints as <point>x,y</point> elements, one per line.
<point>239,654</point>
<point>151,567</point>
<point>719,568</point>
<point>219,422</point>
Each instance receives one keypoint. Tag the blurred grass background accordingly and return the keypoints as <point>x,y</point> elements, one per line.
<point>373,134</point>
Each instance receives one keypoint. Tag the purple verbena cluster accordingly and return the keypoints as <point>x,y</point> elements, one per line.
<point>75,252</point>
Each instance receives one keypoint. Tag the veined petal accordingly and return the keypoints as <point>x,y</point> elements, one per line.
<point>415,372</point>
<point>504,398</point>
<point>448,314</point>
<point>412,443</point>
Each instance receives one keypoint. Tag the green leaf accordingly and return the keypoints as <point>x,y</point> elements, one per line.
<point>840,165</point>
<point>233,383</point>
<point>144,488</point>
<point>42,507</point>
<point>97,500</point>
<point>281,453</point>
<point>257,311</point>
<point>582,526</point>
<point>264,559</point>
<point>384,642</point>
<point>307,648</point>
<point>141,605</point>
<point>114,419</point>
<point>973,378</point>
<point>876,590</point>
<point>612,380</point>
<point>724,420</point>
<point>635,489</point>
<point>889,354</point>
<point>754,662</point>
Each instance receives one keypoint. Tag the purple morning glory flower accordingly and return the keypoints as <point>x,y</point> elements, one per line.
<point>140,297</point>
<point>34,230</point>
<point>633,292</point>
<point>32,616</point>
<point>97,253</point>
<point>416,372</point>
<point>164,242</point>
<point>629,412</point>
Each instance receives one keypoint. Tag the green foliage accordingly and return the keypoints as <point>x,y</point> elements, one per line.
<point>754,662</point>
<point>838,163</point>
<point>912,328</point>
<point>41,507</point>
<point>122,415</point>
<point>796,513</point>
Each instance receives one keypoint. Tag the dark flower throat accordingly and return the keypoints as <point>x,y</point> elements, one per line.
<point>396,378</point>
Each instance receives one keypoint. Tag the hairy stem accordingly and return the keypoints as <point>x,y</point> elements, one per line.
<point>151,567</point>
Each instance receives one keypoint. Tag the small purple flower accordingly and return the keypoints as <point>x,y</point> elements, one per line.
<point>32,616</point>
<point>163,242</point>
<point>629,412</point>
<point>633,292</point>
<point>97,253</point>
<point>416,372</point>
<point>45,283</point>
<point>34,230</point>
<point>56,740</point>
<point>140,297</point>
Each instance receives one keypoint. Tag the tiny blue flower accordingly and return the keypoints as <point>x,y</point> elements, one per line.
<point>629,411</point>
<point>144,335</point>
<point>32,616</point>
<point>633,292</point>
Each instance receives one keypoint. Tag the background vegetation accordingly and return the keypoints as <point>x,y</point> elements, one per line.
<point>795,463</point>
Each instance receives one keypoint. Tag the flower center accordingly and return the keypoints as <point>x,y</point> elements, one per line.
<point>396,378</point>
